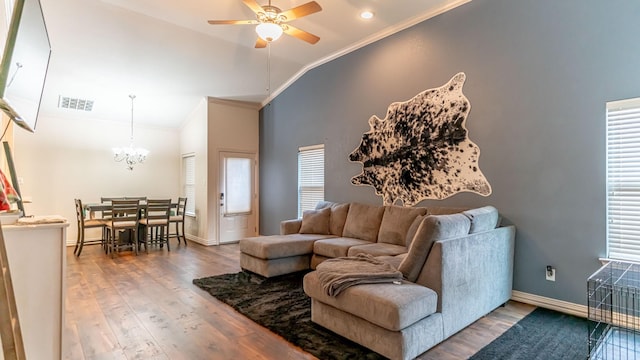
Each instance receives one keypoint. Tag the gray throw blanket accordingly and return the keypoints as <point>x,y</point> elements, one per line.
<point>337,274</point>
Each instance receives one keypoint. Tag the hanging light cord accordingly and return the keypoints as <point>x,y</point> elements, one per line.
<point>132,97</point>
<point>269,70</point>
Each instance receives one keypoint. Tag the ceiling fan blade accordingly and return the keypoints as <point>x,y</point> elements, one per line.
<point>233,22</point>
<point>300,34</point>
<point>253,5</point>
<point>260,43</point>
<point>302,10</point>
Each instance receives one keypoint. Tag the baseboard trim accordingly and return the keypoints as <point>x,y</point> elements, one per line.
<point>201,241</point>
<point>550,303</point>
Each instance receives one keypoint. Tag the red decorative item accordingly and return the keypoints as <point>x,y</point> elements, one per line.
<point>8,194</point>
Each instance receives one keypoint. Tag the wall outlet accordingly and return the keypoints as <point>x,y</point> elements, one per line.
<point>550,273</point>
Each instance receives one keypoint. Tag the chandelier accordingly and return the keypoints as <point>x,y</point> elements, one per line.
<point>131,155</point>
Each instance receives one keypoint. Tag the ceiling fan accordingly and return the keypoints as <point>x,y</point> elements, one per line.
<point>272,22</point>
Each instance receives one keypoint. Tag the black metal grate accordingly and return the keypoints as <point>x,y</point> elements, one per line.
<point>614,310</point>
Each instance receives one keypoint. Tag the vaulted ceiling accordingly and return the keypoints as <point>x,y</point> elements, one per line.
<point>166,53</point>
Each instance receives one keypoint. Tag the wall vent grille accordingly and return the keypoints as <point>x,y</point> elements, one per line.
<point>65,102</point>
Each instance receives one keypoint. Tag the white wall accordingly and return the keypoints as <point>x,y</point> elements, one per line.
<point>193,140</point>
<point>233,126</point>
<point>66,159</point>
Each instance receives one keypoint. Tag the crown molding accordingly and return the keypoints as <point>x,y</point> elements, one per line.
<point>366,41</point>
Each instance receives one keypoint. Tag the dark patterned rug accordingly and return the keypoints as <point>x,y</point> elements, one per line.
<point>280,305</point>
<point>541,335</point>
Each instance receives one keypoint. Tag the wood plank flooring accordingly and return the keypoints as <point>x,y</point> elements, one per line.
<point>145,307</point>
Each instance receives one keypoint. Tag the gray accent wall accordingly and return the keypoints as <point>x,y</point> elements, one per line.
<point>539,73</point>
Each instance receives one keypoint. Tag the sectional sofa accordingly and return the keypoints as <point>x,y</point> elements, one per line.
<point>456,264</point>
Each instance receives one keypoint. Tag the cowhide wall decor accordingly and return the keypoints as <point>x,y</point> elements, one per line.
<point>421,149</point>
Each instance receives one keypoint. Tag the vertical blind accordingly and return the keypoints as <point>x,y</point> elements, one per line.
<point>623,180</point>
<point>189,180</point>
<point>310,177</point>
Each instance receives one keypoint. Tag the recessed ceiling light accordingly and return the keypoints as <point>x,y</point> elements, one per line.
<point>366,14</point>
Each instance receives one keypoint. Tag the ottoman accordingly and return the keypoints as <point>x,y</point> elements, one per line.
<point>278,254</point>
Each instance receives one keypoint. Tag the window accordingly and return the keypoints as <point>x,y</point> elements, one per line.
<point>310,177</point>
<point>623,179</point>
<point>189,181</point>
<point>238,174</point>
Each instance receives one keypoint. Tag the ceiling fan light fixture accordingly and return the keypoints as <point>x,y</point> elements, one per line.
<point>269,31</point>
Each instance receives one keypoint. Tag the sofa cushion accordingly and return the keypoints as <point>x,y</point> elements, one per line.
<point>391,306</point>
<point>482,219</point>
<point>290,226</point>
<point>363,222</point>
<point>279,246</point>
<point>443,210</point>
<point>336,247</point>
<point>377,249</point>
<point>432,229</point>
<point>411,233</point>
<point>315,221</point>
<point>338,216</point>
<point>392,260</point>
<point>396,221</point>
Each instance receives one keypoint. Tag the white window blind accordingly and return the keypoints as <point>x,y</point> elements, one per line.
<point>189,180</point>
<point>310,177</point>
<point>623,180</point>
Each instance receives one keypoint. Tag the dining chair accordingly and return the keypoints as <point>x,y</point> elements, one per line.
<point>178,220</point>
<point>156,217</point>
<point>84,224</point>
<point>125,218</point>
<point>141,198</point>
<point>106,214</point>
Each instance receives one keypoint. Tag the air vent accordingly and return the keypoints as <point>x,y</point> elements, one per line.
<point>65,102</point>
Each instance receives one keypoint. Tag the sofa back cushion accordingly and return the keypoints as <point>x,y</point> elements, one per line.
<point>444,210</point>
<point>431,229</point>
<point>338,216</point>
<point>411,233</point>
<point>363,222</point>
<point>315,221</point>
<point>482,219</point>
<point>396,222</point>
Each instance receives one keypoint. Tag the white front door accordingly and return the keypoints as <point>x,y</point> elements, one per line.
<point>237,196</point>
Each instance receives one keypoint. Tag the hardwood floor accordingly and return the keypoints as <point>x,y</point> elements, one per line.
<point>145,307</point>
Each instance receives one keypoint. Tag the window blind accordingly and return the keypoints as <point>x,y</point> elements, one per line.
<point>310,177</point>
<point>189,180</point>
<point>623,180</point>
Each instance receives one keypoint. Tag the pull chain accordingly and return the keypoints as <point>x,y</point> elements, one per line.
<point>269,69</point>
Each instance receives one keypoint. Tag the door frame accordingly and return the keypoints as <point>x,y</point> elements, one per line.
<point>220,183</point>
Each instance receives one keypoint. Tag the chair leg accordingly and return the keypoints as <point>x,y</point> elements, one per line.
<point>147,239</point>
<point>81,243</point>
<point>112,244</point>
<point>134,240</point>
<point>75,250</point>
<point>183,236</point>
<point>166,235</point>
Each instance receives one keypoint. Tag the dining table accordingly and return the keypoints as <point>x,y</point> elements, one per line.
<point>93,208</point>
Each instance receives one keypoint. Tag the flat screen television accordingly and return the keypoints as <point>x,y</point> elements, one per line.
<point>25,61</point>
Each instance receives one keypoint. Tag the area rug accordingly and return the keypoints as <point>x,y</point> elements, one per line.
<point>280,305</point>
<point>544,335</point>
